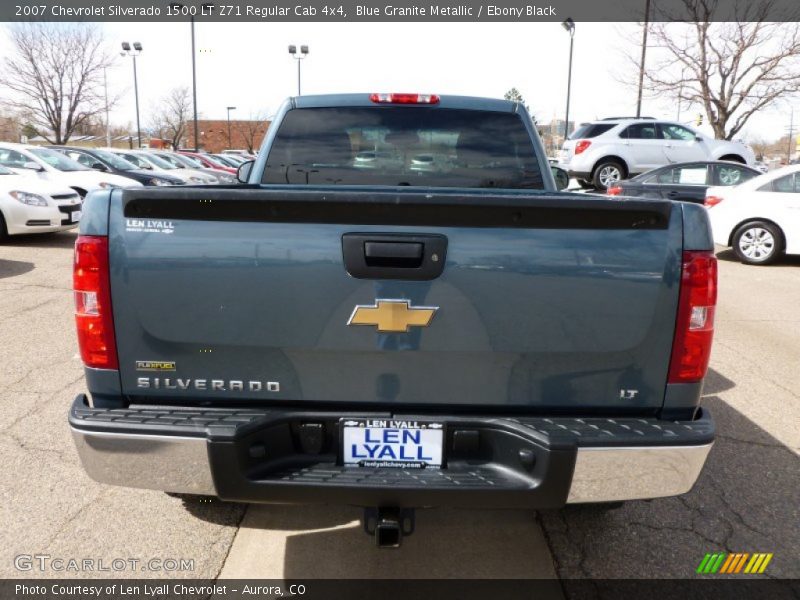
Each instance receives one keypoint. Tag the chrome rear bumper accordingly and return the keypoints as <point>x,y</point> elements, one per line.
<point>166,463</point>
<point>218,461</point>
<point>614,474</point>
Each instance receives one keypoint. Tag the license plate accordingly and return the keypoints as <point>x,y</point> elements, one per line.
<point>392,443</point>
<point>75,216</point>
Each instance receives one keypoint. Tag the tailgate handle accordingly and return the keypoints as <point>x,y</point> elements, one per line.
<point>403,255</point>
<point>394,255</point>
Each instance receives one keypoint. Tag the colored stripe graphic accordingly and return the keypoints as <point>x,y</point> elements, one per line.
<point>718,563</point>
<point>736,557</point>
<point>701,568</point>
<point>727,564</point>
<point>733,563</point>
<point>710,564</point>
<point>765,563</point>
<point>754,562</point>
<point>741,562</point>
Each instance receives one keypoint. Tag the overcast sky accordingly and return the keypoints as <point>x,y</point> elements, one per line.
<point>247,65</point>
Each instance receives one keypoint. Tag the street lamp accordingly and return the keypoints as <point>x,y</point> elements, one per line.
<point>136,51</point>
<point>569,26</point>
<point>298,57</point>
<point>108,125</point>
<point>644,55</point>
<point>207,8</point>
<point>230,108</point>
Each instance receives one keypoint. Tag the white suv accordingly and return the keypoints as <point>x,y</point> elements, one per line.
<point>601,152</point>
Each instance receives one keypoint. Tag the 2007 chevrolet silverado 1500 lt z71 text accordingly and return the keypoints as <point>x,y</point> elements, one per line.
<point>397,310</point>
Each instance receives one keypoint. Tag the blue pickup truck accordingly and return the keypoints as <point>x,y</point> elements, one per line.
<point>397,309</point>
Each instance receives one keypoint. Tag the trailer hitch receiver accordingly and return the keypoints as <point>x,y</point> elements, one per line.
<point>389,525</point>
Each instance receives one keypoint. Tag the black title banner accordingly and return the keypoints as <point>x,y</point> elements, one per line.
<point>401,10</point>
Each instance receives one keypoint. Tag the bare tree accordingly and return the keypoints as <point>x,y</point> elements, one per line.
<point>759,146</point>
<point>252,129</point>
<point>731,69</point>
<point>54,74</point>
<point>171,120</point>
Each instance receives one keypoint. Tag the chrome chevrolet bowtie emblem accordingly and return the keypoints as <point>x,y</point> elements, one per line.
<point>392,316</point>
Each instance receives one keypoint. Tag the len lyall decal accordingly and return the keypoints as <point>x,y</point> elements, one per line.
<point>734,563</point>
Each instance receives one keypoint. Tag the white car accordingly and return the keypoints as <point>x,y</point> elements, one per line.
<point>28,205</point>
<point>145,159</point>
<point>52,166</point>
<point>760,218</point>
<point>600,153</point>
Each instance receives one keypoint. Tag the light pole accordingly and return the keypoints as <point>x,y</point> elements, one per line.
<point>298,57</point>
<point>569,26</point>
<point>230,108</point>
<point>136,51</point>
<point>644,53</point>
<point>108,126</point>
<point>206,9</point>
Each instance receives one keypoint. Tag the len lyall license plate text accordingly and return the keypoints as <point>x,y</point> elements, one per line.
<point>392,443</point>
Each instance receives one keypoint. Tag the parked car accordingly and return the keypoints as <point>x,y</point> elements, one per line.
<point>230,160</point>
<point>759,219</point>
<point>393,338</point>
<point>208,161</point>
<point>185,162</point>
<point>49,165</point>
<point>29,205</point>
<point>600,153</point>
<point>686,182</point>
<point>145,159</point>
<point>109,162</point>
<point>245,153</point>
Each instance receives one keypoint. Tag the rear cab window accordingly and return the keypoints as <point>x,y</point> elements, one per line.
<point>403,146</point>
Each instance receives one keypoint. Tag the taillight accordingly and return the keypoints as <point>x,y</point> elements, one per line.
<point>614,190</point>
<point>404,98</point>
<point>694,327</point>
<point>712,201</point>
<point>582,145</point>
<point>90,282</point>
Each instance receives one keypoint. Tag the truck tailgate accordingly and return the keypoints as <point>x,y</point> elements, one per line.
<point>545,302</point>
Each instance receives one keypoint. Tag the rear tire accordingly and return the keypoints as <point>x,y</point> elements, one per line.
<point>758,243</point>
<point>607,173</point>
<point>3,230</point>
<point>586,185</point>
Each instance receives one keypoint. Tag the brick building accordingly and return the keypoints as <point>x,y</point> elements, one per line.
<point>9,129</point>
<point>213,134</point>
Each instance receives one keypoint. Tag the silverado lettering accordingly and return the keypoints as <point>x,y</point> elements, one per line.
<point>219,385</point>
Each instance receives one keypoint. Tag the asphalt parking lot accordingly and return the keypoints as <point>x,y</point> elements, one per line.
<point>747,499</point>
